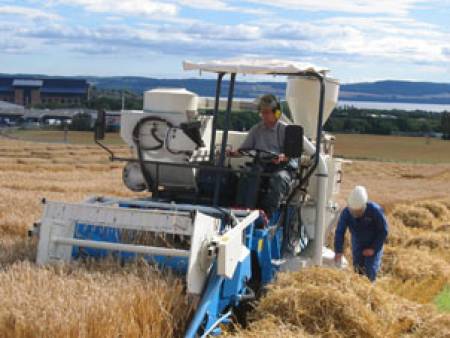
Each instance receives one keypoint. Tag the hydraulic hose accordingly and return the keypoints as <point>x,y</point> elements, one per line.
<point>136,138</point>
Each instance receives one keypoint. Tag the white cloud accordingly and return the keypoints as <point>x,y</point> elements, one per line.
<point>205,4</point>
<point>30,13</point>
<point>124,7</point>
<point>218,5</point>
<point>391,7</point>
<point>11,42</point>
<point>241,32</point>
<point>386,25</point>
<point>400,39</point>
<point>13,46</point>
<point>359,38</point>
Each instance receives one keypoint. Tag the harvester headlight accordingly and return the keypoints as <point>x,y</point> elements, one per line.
<point>132,177</point>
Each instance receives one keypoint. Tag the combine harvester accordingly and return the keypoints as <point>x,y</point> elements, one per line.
<point>202,219</point>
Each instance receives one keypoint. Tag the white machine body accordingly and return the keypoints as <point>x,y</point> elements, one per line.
<point>303,94</point>
<point>180,103</point>
<point>176,106</point>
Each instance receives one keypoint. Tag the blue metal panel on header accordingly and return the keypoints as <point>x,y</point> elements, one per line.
<point>112,235</point>
<point>96,233</point>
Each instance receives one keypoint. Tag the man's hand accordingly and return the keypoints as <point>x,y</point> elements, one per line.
<point>368,252</point>
<point>232,153</point>
<point>280,158</point>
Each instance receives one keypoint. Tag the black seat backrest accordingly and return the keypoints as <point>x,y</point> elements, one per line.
<point>293,141</point>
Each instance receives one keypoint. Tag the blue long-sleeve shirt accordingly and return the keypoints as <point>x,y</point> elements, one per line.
<point>368,231</point>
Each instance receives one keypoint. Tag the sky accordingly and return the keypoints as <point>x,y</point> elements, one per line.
<point>360,40</point>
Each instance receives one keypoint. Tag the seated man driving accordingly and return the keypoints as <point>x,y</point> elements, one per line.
<point>268,136</point>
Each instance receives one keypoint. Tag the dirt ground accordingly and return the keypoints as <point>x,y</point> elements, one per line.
<point>389,183</point>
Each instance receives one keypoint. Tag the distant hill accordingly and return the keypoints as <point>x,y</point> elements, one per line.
<point>397,91</point>
<point>380,91</point>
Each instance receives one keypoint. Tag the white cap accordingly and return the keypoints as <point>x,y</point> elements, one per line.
<point>358,198</point>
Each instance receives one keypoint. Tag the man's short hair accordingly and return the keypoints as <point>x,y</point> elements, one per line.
<point>268,100</point>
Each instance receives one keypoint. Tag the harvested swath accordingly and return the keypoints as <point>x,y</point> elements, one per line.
<point>398,233</point>
<point>321,301</point>
<point>414,217</point>
<point>271,327</point>
<point>438,209</point>
<point>430,240</point>
<point>437,326</point>
<point>415,274</point>
<point>412,263</point>
<point>422,290</point>
<point>443,228</point>
<point>417,255</point>
<point>446,203</point>
<point>91,301</point>
<point>334,303</point>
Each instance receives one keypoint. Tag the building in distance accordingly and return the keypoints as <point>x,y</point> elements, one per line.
<point>34,91</point>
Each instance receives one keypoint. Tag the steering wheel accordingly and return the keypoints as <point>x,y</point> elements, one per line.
<point>256,154</point>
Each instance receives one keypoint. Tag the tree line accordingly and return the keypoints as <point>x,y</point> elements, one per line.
<point>342,120</point>
<point>392,122</point>
<point>364,121</point>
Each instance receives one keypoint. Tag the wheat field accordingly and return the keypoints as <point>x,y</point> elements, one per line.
<point>393,148</point>
<point>107,300</point>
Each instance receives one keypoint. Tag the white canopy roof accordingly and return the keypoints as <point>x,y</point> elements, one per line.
<point>254,66</point>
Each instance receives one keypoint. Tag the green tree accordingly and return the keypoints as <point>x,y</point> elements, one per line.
<point>445,125</point>
<point>403,124</point>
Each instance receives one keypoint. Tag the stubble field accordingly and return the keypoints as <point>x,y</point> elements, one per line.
<point>105,300</point>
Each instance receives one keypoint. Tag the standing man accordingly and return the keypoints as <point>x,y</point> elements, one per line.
<point>368,229</point>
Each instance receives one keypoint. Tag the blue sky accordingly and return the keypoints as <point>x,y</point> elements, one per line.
<point>360,40</point>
